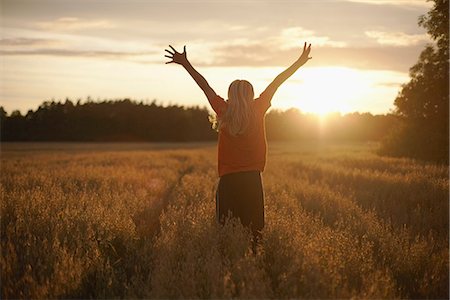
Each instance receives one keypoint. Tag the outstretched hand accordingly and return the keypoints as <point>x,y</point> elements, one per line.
<point>176,57</point>
<point>303,59</point>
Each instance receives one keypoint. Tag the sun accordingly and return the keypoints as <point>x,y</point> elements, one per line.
<point>327,90</point>
<point>320,108</point>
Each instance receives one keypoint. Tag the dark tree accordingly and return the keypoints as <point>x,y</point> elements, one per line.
<point>423,103</point>
<point>3,113</point>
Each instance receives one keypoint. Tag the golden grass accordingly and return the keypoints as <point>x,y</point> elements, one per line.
<point>138,221</point>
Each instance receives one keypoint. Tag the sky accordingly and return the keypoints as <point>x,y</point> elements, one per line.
<point>113,49</point>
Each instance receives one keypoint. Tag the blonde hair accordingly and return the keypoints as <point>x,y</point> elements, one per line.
<point>239,113</point>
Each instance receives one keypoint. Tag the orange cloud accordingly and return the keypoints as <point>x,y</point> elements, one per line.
<point>397,38</point>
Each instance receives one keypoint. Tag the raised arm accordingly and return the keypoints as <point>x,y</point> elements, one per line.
<point>273,86</point>
<point>181,59</point>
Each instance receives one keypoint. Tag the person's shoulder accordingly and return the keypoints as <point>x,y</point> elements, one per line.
<point>218,104</point>
<point>263,102</point>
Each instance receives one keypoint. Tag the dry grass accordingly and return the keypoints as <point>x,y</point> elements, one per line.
<point>137,221</point>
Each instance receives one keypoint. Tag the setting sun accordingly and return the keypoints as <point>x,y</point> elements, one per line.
<point>330,89</point>
<point>325,90</point>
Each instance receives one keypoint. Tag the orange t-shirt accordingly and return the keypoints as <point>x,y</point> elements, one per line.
<point>246,152</point>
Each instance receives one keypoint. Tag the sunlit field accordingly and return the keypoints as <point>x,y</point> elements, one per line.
<point>138,221</point>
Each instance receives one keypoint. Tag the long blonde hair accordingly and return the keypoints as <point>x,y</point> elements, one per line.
<point>239,113</point>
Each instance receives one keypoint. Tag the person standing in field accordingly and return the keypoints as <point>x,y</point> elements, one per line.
<point>242,141</point>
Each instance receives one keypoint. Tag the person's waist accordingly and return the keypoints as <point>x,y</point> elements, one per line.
<point>242,173</point>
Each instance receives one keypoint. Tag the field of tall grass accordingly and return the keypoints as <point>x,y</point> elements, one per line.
<point>138,221</point>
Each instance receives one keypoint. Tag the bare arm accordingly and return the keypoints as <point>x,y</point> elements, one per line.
<point>181,59</point>
<point>273,86</point>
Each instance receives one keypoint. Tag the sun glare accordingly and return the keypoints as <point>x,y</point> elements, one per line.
<point>328,90</point>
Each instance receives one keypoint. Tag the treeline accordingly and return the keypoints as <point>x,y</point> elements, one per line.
<point>294,125</point>
<point>131,121</point>
<point>107,121</point>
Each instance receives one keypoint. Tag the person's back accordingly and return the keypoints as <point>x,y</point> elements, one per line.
<point>243,148</point>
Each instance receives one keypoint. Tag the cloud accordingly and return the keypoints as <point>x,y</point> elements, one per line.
<point>237,27</point>
<point>270,50</point>
<point>76,53</point>
<point>74,24</point>
<point>393,84</point>
<point>417,3</point>
<point>291,37</point>
<point>281,50</point>
<point>261,55</point>
<point>374,58</point>
<point>24,41</point>
<point>397,38</point>
<point>236,53</point>
<point>63,45</point>
<point>275,49</point>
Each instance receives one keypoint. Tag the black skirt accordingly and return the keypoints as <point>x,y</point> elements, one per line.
<point>241,195</point>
